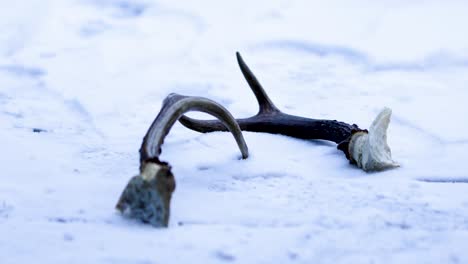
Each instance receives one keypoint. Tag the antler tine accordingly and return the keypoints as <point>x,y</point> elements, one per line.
<point>264,102</point>
<point>174,106</point>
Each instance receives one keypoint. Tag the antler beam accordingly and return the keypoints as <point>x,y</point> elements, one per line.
<point>271,120</point>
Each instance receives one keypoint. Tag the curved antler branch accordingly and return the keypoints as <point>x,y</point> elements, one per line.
<point>174,106</point>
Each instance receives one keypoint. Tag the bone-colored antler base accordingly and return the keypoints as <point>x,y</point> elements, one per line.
<point>147,196</point>
<point>369,150</point>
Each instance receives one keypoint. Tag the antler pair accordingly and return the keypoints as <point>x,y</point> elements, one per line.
<point>147,195</point>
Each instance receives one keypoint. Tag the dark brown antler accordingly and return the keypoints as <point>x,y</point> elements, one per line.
<point>147,196</point>
<point>368,150</point>
<point>271,120</point>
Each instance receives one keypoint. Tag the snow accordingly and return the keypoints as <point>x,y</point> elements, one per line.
<point>89,76</point>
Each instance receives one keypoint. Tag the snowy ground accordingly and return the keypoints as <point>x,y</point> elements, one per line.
<point>90,76</point>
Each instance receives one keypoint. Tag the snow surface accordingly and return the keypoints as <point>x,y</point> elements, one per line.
<point>81,81</point>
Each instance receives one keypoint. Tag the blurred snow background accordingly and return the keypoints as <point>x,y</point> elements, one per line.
<point>81,81</point>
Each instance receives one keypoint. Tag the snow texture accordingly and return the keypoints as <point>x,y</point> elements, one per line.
<point>82,80</point>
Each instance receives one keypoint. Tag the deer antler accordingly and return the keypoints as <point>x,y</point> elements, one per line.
<point>271,120</point>
<point>147,196</point>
